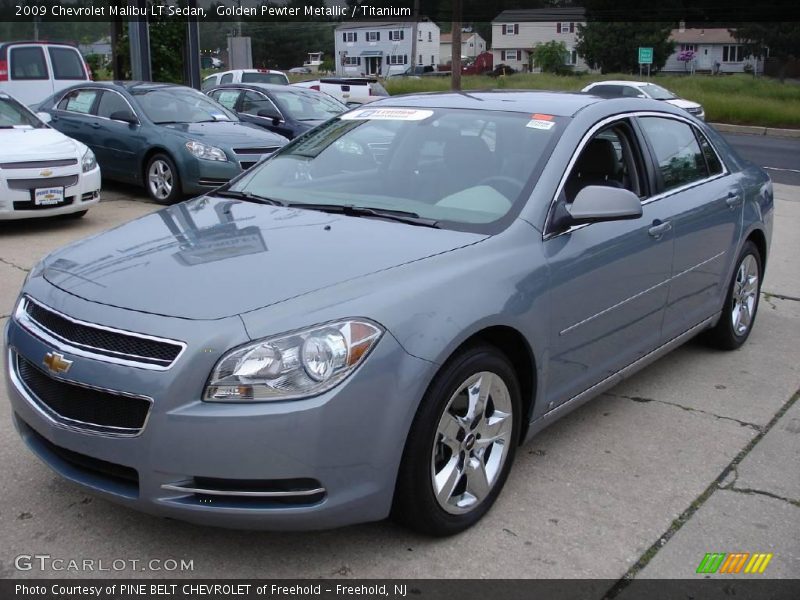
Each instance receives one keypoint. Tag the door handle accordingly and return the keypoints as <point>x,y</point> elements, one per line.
<point>96,125</point>
<point>733,200</point>
<point>659,228</point>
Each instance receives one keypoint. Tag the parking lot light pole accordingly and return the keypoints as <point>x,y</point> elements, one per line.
<point>192,62</point>
<point>139,36</point>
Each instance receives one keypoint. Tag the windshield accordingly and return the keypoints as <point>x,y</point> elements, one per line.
<point>657,92</point>
<point>180,105</point>
<point>301,106</point>
<point>15,116</point>
<point>460,168</point>
<point>278,78</point>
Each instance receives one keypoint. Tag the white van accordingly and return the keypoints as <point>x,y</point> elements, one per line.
<point>32,71</point>
<point>246,76</point>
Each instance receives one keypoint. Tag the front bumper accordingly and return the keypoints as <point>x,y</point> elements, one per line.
<point>17,203</point>
<point>348,441</point>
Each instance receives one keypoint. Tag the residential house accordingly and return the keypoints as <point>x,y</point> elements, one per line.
<point>715,51</point>
<point>516,32</point>
<point>383,48</point>
<point>472,44</point>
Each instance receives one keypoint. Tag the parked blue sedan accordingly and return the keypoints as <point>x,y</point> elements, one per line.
<point>170,138</point>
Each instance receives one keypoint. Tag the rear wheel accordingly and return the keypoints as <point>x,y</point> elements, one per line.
<point>461,445</point>
<point>741,303</point>
<point>161,180</point>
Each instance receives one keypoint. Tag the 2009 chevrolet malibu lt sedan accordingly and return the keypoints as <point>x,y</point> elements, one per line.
<point>371,321</point>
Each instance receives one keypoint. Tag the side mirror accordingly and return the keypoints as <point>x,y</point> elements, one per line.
<point>269,114</point>
<point>125,116</point>
<point>600,203</point>
<point>44,117</point>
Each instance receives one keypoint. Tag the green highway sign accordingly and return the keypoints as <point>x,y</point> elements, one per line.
<point>645,56</point>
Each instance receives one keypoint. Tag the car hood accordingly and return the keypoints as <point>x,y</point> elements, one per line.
<point>210,258</point>
<point>36,145</point>
<point>227,133</point>
<point>684,104</point>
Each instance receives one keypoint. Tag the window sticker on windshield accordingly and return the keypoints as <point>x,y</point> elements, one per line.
<point>387,114</point>
<point>541,123</point>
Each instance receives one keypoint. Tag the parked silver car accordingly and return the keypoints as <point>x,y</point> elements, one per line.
<point>372,320</point>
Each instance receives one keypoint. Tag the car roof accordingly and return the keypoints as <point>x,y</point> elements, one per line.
<point>564,104</point>
<point>128,85</point>
<point>622,82</point>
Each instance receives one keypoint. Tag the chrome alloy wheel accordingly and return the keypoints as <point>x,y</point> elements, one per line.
<point>472,442</point>
<point>745,295</point>
<point>160,179</point>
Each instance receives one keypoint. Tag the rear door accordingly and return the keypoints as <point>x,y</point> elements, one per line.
<point>29,77</point>
<point>67,66</point>
<point>73,117</point>
<point>706,202</point>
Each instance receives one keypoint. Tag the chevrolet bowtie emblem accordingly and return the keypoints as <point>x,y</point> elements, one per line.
<point>56,362</point>
<point>45,173</point>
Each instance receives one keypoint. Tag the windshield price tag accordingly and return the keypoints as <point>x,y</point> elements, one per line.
<point>387,114</point>
<point>540,124</point>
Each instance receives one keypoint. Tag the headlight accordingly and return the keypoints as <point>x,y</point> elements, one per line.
<point>206,152</point>
<point>88,162</point>
<point>291,366</point>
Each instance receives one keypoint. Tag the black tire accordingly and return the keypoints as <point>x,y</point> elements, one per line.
<point>156,193</point>
<point>724,335</point>
<point>415,504</point>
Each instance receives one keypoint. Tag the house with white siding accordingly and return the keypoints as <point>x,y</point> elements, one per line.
<point>383,48</point>
<point>714,50</point>
<point>472,44</point>
<point>516,32</point>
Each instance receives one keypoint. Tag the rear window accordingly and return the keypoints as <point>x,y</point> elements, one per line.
<point>67,64</point>
<point>28,63</point>
<point>276,78</point>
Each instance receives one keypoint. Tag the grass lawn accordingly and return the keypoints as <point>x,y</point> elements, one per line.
<point>739,99</point>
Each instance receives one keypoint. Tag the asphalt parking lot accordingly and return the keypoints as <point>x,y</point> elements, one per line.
<point>698,453</point>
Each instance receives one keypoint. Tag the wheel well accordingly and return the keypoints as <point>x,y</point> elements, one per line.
<point>150,154</point>
<point>512,343</point>
<point>759,239</point>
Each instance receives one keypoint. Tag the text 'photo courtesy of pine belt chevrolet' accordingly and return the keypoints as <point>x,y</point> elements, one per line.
<point>369,322</point>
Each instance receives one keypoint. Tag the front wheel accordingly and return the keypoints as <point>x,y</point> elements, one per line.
<point>741,303</point>
<point>461,445</point>
<point>161,180</point>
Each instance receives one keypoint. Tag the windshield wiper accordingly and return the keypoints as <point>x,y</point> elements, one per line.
<point>402,216</point>
<point>249,196</point>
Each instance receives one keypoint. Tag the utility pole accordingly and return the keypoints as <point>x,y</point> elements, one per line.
<point>455,78</point>
<point>414,34</point>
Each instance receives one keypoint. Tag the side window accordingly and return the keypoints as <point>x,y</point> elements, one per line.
<point>712,160</point>
<point>679,157</point>
<point>227,98</point>
<point>209,82</point>
<point>227,78</point>
<point>253,103</point>
<point>631,92</point>
<point>609,159</point>
<point>28,63</point>
<point>67,64</point>
<point>111,102</point>
<point>78,101</point>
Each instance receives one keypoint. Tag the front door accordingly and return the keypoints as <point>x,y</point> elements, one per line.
<point>374,65</point>
<point>118,143</point>
<point>609,280</point>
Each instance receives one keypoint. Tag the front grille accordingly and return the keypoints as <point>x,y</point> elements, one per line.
<point>83,407</point>
<point>108,476</point>
<point>31,205</point>
<point>43,182</point>
<point>111,344</point>
<point>268,150</point>
<point>212,182</point>
<point>39,164</point>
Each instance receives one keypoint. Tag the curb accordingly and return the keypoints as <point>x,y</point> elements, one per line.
<point>756,130</point>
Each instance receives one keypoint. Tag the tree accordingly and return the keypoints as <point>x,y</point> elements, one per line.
<point>780,40</point>
<point>613,46</point>
<point>550,57</point>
